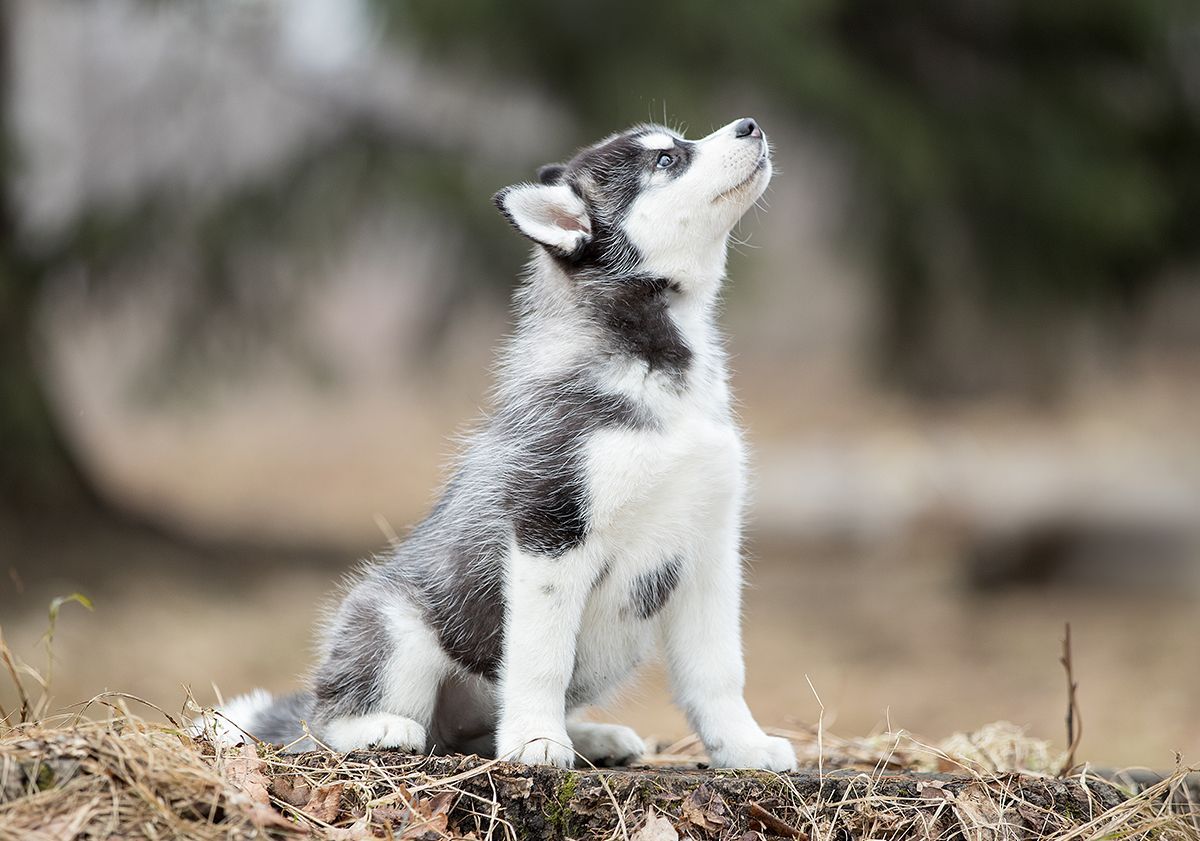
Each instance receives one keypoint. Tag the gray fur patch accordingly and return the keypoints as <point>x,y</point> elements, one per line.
<point>603,574</point>
<point>580,694</point>
<point>279,723</point>
<point>546,493</point>
<point>652,589</point>
<point>348,679</point>
<point>453,563</point>
<point>466,606</point>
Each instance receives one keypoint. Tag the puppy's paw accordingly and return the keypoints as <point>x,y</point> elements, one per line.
<point>769,753</point>
<point>537,750</point>
<point>606,745</point>
<point>374,730</point>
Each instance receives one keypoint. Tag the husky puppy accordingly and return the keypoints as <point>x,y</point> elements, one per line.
<point>597,507</point>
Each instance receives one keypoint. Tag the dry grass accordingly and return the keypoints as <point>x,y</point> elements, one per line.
<point>996,748</point>
<point>122,777</point>
<point>104,772</point>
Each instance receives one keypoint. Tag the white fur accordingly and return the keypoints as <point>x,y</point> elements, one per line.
<point>657,141</point>
<point>681,225</point>
<point>376,730</point>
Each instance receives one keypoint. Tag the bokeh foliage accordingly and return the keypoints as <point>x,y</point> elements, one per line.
<point>1057,145</point>
<point>1036,156</point>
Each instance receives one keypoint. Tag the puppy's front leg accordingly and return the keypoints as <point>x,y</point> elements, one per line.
<point>545,602</point>
<point>702,637</point>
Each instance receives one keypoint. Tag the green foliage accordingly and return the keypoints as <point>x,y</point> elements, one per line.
<point>1057,143</point>
<point>559,811</point>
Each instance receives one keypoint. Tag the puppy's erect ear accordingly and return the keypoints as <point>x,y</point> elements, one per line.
<point>550,173</point>
<point>549,214</point>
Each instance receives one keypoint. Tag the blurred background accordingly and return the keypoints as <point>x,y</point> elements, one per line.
<point>251,284</point>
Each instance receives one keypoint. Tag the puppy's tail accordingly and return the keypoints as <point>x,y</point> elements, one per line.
<point>259,715</point>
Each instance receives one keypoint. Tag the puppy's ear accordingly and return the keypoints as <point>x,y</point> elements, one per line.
<point>549,214</point>
<point>551,173</point>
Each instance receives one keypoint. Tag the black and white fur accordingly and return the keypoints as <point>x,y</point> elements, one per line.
<point>598,507</point>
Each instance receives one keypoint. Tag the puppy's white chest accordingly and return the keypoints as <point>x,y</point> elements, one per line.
<point>657,499</point>
<point>655,488</point>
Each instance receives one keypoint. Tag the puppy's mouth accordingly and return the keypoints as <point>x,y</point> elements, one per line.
<point>759,166</point>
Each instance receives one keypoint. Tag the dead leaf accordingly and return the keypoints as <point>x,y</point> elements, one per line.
<point>705,809</point>
<point>514,787</point>
<point>935,790</point>
<point>325,803</point>
<point>773,825</point>
<point>245,774</point>
<point>360,830</point>
<point>291,790</point>
<point>656,828</point>
<point>414,819</point>
<point>388,815</point>
<point>430,819</point>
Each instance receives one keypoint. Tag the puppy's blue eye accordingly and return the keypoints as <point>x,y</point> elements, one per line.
<point>665,160</point>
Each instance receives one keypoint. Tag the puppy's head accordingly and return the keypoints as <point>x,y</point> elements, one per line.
<point>645,201</point>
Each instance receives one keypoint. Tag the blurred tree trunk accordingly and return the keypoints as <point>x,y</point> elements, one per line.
<point>37,467</point>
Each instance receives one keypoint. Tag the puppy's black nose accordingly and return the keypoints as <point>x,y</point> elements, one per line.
<point>747,128</point>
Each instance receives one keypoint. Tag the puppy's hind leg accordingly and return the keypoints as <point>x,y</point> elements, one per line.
<point>377,685</point>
